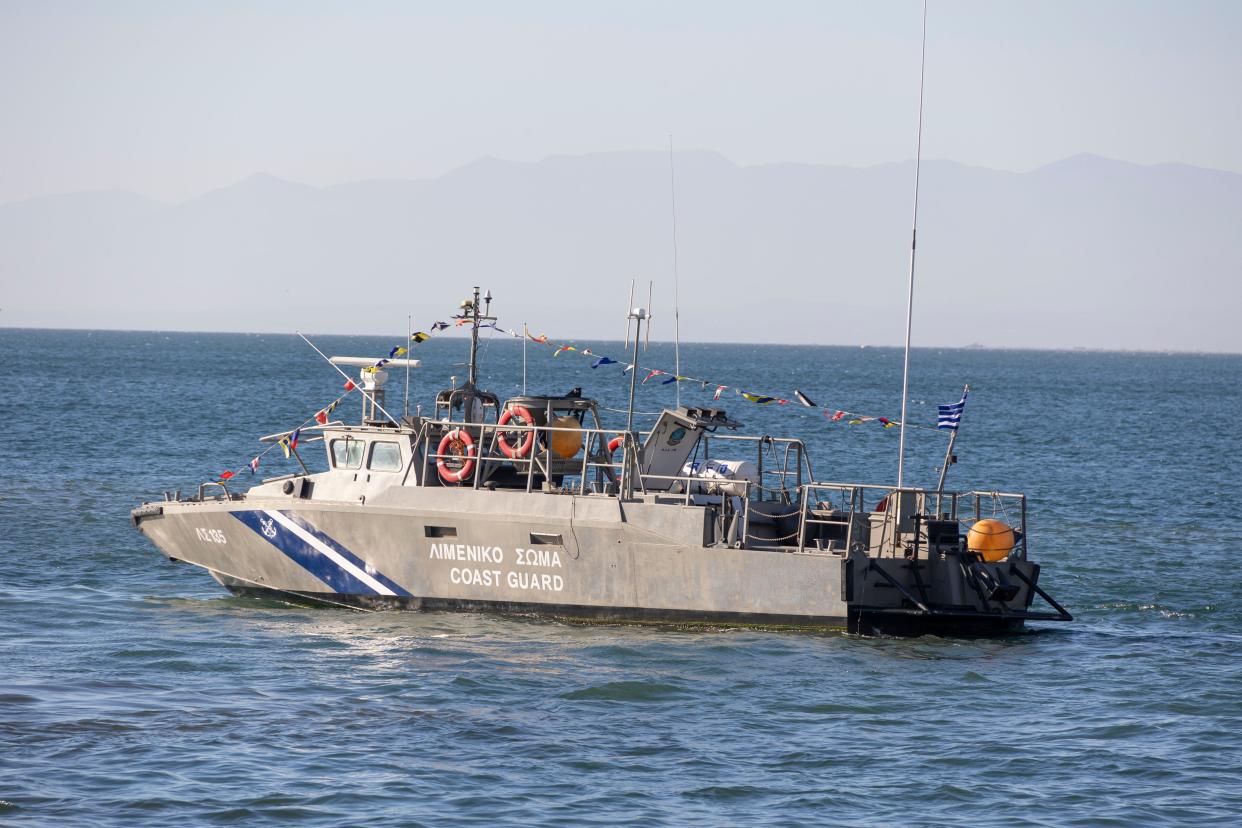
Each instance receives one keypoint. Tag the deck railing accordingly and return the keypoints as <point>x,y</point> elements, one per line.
<point>787,459</point>
<point>785,476</point>
<point>965,508</point>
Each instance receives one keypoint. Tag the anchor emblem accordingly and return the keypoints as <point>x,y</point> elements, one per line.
<point>269,527</point>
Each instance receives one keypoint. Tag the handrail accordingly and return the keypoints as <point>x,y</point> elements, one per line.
<point>856,505</point>
<point>592,461</point>
<point>202,486</point>
<point>794,449</point>
<point>492,431</point>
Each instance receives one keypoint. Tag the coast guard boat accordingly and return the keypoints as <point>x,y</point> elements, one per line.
<point>533,505</point>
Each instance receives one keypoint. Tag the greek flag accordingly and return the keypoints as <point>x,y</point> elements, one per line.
<point>951,414</point>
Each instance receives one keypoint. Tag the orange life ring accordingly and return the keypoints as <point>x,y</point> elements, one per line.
<point>615,443</point>
<point>461,438</point>
<point>522,448</point>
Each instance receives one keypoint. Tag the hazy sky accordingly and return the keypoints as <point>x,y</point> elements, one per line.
<point>171,99</point>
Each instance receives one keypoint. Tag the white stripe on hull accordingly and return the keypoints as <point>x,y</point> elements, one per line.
<point>328,552</point>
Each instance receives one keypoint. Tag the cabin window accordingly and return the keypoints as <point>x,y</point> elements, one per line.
<point>385,457</point>
<point>440,531</point>
<point>545,539</point>
<point>347,453</point>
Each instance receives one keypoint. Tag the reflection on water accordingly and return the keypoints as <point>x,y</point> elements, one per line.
<point>137,692</point>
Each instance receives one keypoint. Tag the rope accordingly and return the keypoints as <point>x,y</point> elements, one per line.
<point>636,413</point>
<point>781,538</point>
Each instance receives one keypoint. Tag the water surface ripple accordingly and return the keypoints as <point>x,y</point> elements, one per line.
<point>135,692</point>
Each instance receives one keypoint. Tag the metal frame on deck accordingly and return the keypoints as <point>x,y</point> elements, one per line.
<point>784,470</point>
<point>593,471</point>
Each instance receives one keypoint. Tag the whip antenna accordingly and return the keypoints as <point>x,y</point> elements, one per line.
<point>629,308</point>
<point>647,341</point>
<point>672,188</point>
<point>914,234</point>
<point>409,335</point>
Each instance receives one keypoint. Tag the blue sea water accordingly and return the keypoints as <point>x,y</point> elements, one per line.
<point>137,692</point>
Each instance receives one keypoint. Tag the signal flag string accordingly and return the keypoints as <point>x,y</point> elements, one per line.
<point>598,360</point>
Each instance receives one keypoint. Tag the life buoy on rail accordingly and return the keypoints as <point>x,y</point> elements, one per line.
<point>522,413</point>
<point>461,444</point>
<point>615,443</point>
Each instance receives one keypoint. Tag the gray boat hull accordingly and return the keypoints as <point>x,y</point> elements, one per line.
<point>587,558</point>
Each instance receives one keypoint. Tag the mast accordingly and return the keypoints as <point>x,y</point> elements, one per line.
<point>630,446</point>
<point>639,315</point>
<point>672,187</point>
<point>474,337</point>
<point>471,312</point>
<point>409,334</point>
<point>914,233</point>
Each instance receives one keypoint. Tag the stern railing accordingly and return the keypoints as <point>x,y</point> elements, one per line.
<point>965,508</point>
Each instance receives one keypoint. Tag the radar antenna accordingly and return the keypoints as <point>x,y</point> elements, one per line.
<point>471,312</point>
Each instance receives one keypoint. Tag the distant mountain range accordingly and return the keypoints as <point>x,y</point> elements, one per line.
<point>1086,252</point>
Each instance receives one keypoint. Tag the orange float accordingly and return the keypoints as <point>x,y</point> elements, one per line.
<point>522,413</point>
<point>459,440</point>
<point>991,538</point>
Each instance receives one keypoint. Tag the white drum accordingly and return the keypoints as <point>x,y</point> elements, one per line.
<point>721,477</point>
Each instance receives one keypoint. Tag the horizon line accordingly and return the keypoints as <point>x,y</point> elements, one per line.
<point>855,346</point>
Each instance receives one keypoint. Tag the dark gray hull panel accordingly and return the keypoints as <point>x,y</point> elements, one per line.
<point>565,612</point>
<point>874,622</point>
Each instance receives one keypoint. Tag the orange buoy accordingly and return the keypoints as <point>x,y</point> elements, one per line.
<point>565,444</point>
<point>991,538</point>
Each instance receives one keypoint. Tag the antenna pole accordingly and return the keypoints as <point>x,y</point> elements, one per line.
<point>629,309</point>
<point>474,335</point>
<point>650,304</point>
<point>525,336</point>
<point>631,439</point>
<point>409,335</point>
<point>914,234</point>
<point>629,412</point>
<point>672,187</point>
<point>360,389</point>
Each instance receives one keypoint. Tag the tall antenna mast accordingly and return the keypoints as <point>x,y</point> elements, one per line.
<point>630,307</point>
<point>672,187</point>
<point>409,335</point>
<point>650,314</point>
<point>638,316</point>
<point>914,235</point>
<point>472,313</point>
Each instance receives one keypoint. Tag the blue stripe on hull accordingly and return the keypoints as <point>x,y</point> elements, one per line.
<point>331,543</point>
<point>314,561</point>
